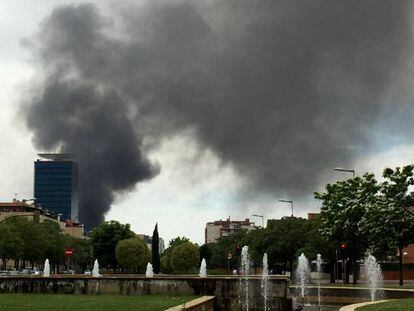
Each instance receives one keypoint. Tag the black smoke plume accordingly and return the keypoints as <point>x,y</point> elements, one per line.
<point>281,89</point>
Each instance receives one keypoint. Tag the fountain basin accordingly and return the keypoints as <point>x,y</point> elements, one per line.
<point>348,295</point>
<point>224,288</point>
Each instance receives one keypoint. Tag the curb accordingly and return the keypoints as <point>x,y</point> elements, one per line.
<point>361,304</point>
<point>205,303</point>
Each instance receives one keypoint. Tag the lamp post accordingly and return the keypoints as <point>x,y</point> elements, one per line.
<point>340,169</point>
<point>255,215</point>
<point>288,201</point>
<point>343,246</point>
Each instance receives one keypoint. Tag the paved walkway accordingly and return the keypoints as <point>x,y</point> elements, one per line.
<point>361,304</point>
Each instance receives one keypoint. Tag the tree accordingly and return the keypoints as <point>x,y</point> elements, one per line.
<point>343,207</point>
<point>166,256</point>
<point>205,252</point>
<point>318,244</point>
<point>177,241</point>
<point>155,250</point>
<point>132,253</point>
<point>291,233</point>
<point>34,237</point>
<point>11,244</point>
<point>105,237</point>
<point>185,257</point>
<point>82,252</point>
<point>256,239</point>
<point>389,223</point>
<point>223,247</point>
<point>165,263</point>
<point>55,242</point>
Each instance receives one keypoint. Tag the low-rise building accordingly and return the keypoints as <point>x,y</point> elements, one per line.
<point>24,209</point>
<point>219,228</point>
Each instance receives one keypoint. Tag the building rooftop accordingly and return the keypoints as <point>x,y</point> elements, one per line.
<point>220,222</point>
<point>24,207</point>
<point>57,156</point>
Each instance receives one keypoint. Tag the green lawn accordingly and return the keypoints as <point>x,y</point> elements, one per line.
<point>19,302</point>
<point>395,305</point>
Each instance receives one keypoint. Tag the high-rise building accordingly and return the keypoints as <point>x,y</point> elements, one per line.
<point>56,184</point>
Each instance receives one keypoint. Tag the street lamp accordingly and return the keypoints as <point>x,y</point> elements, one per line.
<point>262,219</point>
<point>288,201</point>
<point>340,169</point>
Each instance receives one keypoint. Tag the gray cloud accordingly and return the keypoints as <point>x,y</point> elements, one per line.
<point>281,90</point>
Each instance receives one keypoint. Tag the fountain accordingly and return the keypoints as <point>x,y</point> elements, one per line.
<point>302,274</point>
<point>318,269</point>
<point>245,265</point>
<point>149,273</point>
<point>46,269</point>
<point>265,281</point>
<point>373,274</point>
<point>203,269</point>
<point>95,270</point>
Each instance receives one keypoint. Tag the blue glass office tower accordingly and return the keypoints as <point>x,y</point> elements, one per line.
<point>56,184</point>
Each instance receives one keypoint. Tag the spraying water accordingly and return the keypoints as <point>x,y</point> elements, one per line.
<point>245,263</point>
<point>373,274</point>
<point>265,281</point>
<point>149,273</point>
<point>95,270</point>
<point>318,268</point>
<point>302,274</point>
<point>203,269</point>
<point>46,269</point>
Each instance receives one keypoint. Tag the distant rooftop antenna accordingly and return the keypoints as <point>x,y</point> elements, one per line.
<point>57,156</point>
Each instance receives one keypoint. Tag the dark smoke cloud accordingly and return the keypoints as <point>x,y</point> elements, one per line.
<point>282,90</point>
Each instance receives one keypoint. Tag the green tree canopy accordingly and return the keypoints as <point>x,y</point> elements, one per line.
<point>344,205</point>
<point>284,237</point>
<point>205,252</point>
<point>104,239</point>
<point>155,250</point>
<point>226,245</point>
<point>55,241</point>
<point>185,257</point>
<point>34,236</point>
<point>389,223</point>
<point>166,256</point>
<point>132,253</point>
<point>176,241</point>
<point>82,252</point>
<point>11,244</point>
<point>316,243</point>
<point>165,263</point>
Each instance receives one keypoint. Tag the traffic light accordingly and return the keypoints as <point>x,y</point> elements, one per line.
<point>344,249</point>
<point>238,249</point>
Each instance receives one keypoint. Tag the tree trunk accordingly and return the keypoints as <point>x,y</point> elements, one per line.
<point>332,270</point>
<point>346,267</point>
<point>400,264</point>
<point>355,272</point>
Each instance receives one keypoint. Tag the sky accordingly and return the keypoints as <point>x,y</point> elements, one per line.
<point>193,164</point>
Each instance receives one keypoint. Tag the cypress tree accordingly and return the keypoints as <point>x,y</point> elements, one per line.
<point>155,250</point>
